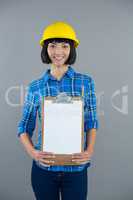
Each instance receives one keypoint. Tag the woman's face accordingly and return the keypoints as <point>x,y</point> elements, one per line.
<point>58,52</point>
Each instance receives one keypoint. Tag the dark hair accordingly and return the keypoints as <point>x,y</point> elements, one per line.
<point>72,56</point>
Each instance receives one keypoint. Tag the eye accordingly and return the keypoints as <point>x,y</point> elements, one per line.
<point>65,46</point>
<point>52,45</point>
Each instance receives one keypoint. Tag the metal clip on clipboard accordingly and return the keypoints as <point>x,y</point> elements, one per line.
<point>62,98</point>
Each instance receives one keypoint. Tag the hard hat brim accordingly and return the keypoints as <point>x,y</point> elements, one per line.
<point>76,41</point>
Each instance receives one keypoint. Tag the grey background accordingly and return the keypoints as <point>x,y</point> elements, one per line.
<point>105,30</point>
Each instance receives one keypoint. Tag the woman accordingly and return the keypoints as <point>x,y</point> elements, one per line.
<point>59,43</point>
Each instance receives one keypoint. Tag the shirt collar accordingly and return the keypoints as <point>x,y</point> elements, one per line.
<point>70,72</point>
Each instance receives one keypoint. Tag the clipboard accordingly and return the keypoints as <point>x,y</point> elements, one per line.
<point>63,127</point>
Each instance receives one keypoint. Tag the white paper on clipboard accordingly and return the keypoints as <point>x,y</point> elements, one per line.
<point>62,127</point>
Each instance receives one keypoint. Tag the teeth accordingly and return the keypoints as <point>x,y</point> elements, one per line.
<point>58,57</point>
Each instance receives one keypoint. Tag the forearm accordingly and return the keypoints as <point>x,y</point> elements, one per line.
<point>91,138</point>
<point>26,142</point>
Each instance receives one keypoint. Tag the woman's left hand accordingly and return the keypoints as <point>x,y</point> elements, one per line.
<point>82,158</point>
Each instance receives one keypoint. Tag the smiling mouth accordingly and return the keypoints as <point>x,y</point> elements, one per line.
<point>58,58</point>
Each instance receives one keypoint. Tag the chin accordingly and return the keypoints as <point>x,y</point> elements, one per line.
<point>58,64</point>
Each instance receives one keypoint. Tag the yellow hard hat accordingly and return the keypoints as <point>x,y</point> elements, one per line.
<point>59,30</point>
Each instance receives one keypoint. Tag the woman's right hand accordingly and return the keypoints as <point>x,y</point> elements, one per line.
<point>42,156</point>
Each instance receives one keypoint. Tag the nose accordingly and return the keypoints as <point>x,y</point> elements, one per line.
<point>58,49</point>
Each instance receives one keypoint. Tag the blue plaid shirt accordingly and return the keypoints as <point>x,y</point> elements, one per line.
<point>71,83</point>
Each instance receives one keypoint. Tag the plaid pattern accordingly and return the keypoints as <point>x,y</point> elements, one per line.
<point>71,83</point>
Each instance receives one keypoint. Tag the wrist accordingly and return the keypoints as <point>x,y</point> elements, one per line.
<point>90,149</point>
<point>31,151</point>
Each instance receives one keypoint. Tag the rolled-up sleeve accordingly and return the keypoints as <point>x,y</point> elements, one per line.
<point>91,120</point>
<point>28,120</point>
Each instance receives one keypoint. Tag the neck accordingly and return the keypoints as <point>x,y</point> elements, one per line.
<point>58,71</point>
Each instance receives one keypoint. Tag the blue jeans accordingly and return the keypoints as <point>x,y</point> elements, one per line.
<point>47,185</point>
